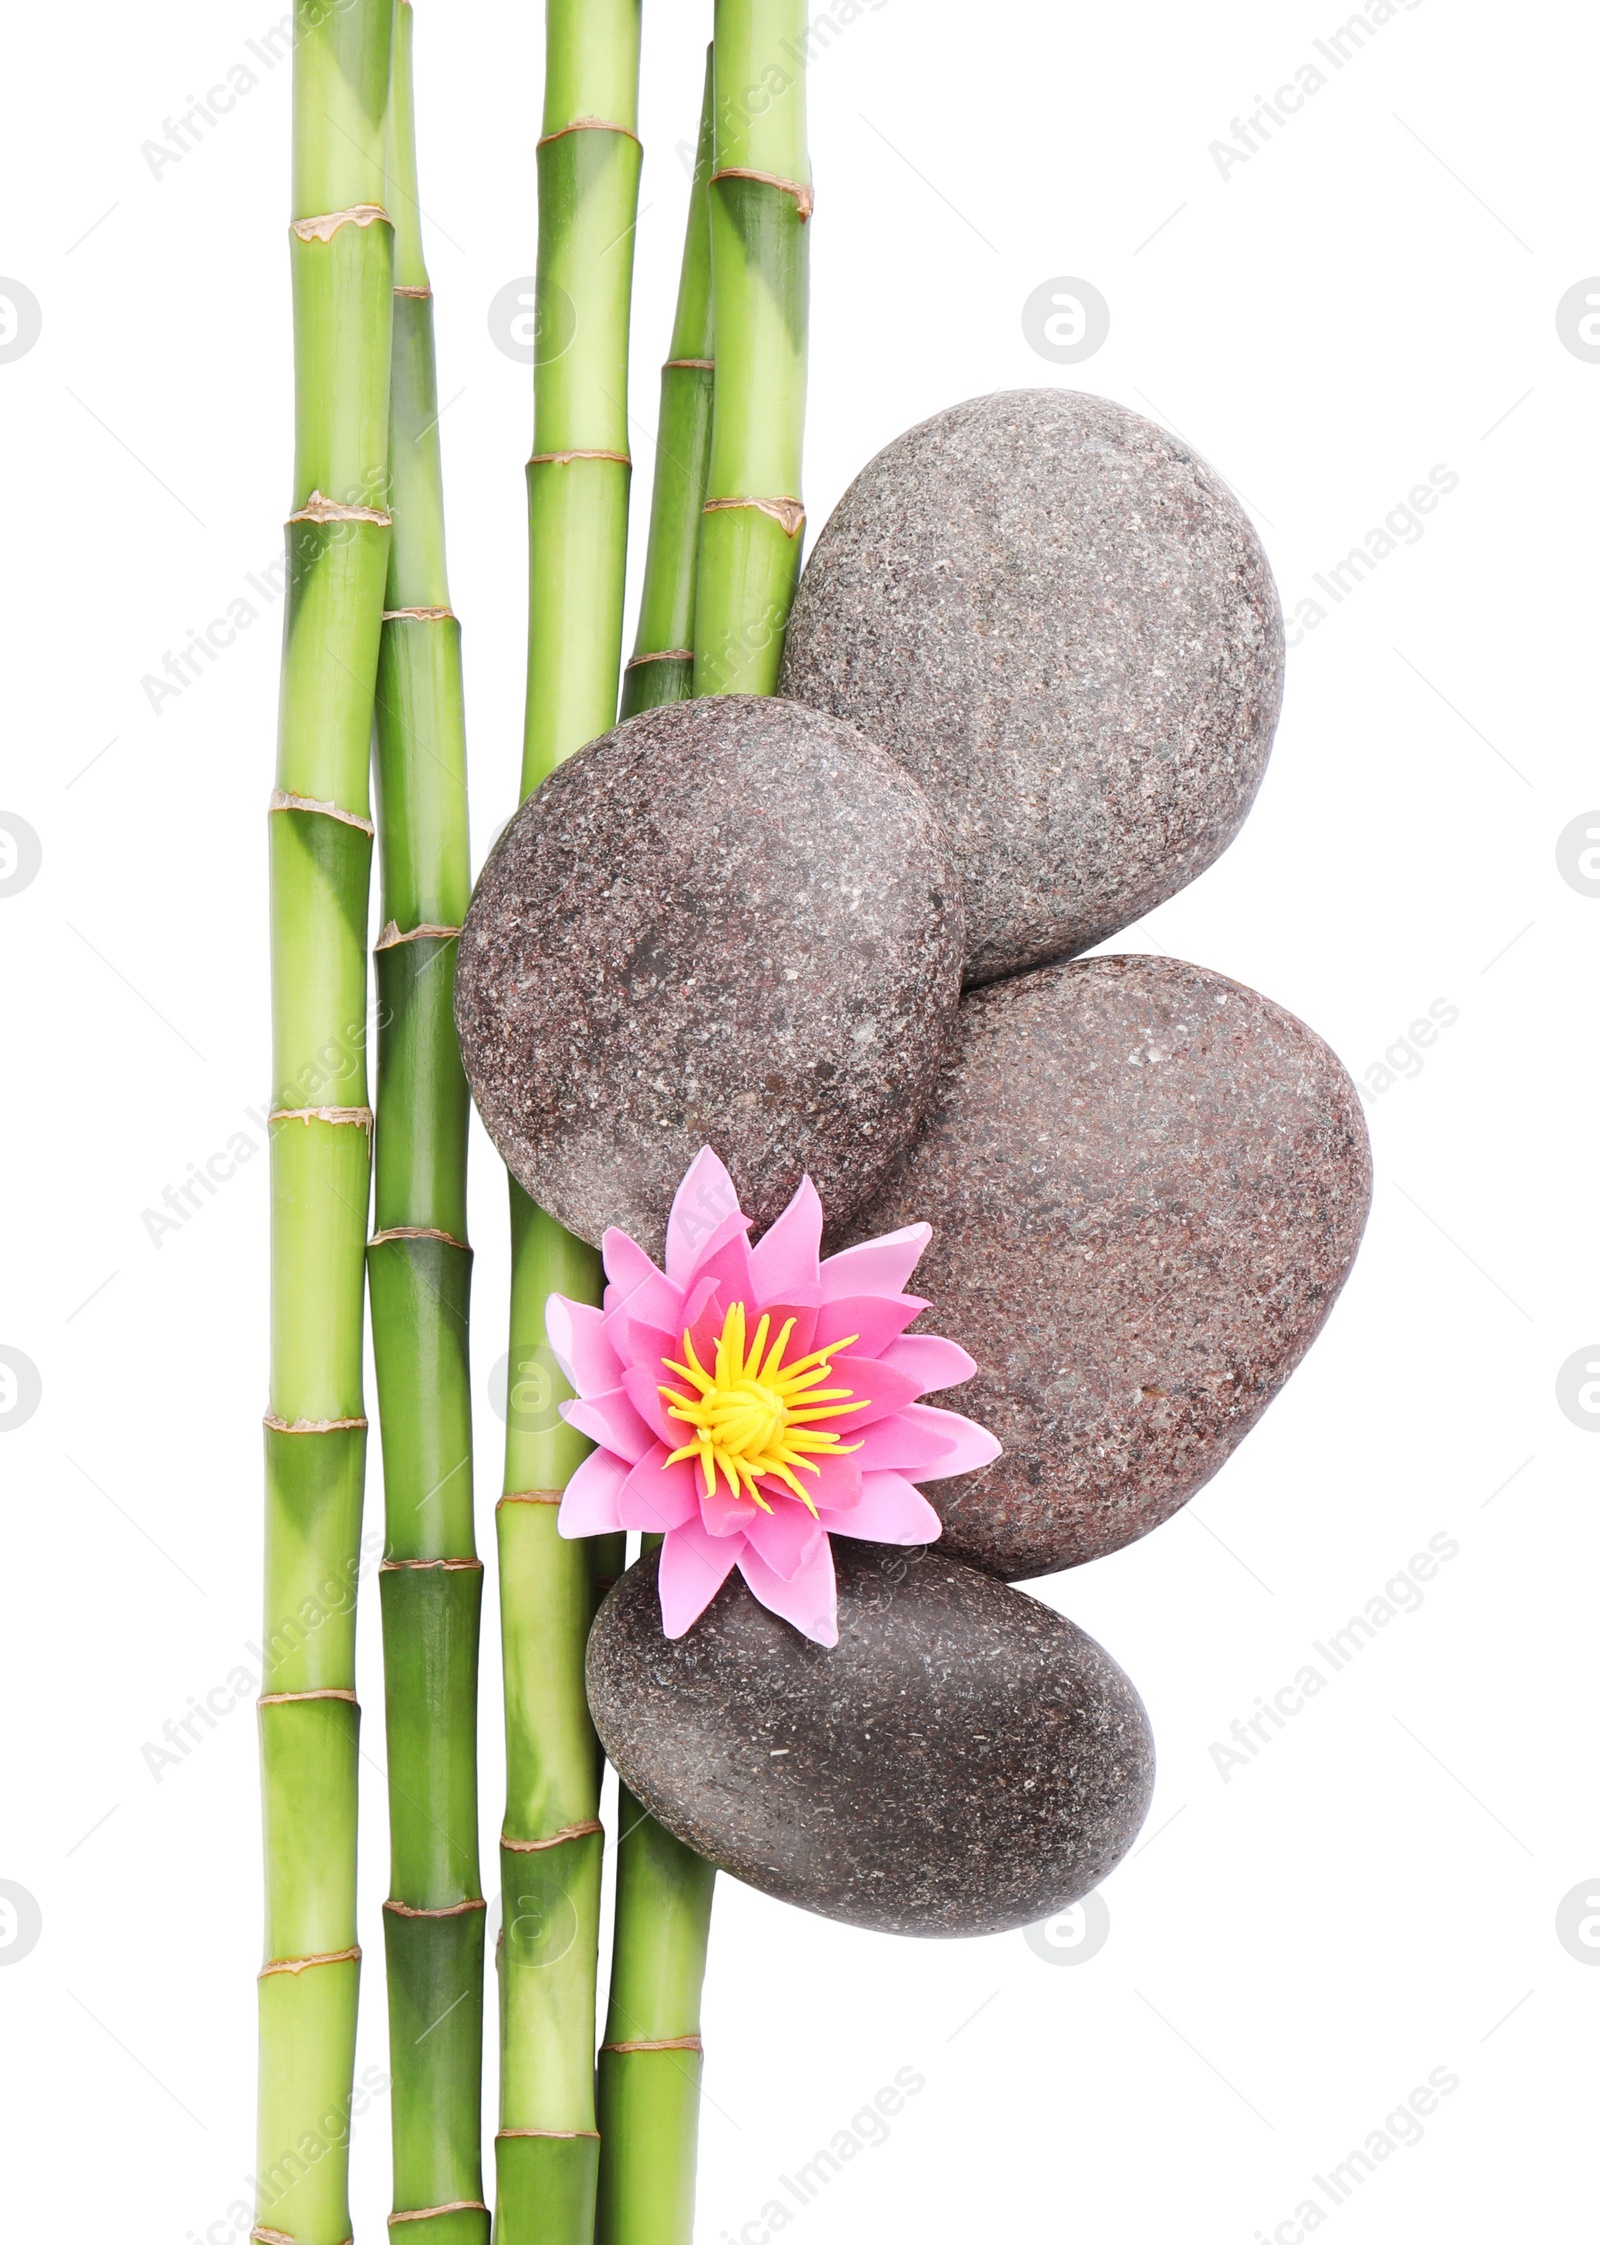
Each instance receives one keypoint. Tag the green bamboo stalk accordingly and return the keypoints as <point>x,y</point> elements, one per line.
<point>547,2147</point>
<point>662,665</point>
<point>419,1271</point>
<point>341,257</point>
<point>751,530</point>
<point>650,2062</point>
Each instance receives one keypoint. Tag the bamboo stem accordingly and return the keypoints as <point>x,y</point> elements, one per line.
<point>546,2152</point>
<point>341,259</point>
<point>662,666</point>
<point>419,1273</point>
<point>750,532</point>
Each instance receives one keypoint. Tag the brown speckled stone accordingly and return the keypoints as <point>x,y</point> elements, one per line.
<point>1063,623</point>
<point>1146,1185</point>
<point>730,922</point>
<point>962,1761</point>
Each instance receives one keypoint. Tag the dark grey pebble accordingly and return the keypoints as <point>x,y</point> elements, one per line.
<point>963,1760</point>
<point>730,922</point>
<point>1061,620</point>
<point>1146,1185</point>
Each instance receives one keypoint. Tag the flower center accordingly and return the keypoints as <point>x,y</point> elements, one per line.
<point>752,1417</point>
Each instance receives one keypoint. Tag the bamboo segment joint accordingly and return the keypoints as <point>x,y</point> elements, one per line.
<point>531,1496</point>
<point>281,800</point>
<point>426,2213</point>
<point>449,1910</point>
<point>324,228</point>
<point>556,2135</point>
<point>263,2236</point>
<point>288,1699</point>
<point>561,459</point>
<point>668,2042</point>
<point>706,366</point>
<point>309,1426</point>
<point>319,508</point>
<point>556,1839</point>
<point>401,289</point>
<point>590,125</point>
<point>361,1117</point>
<point>410,1566</point>
<point>805,198</point>
<point>661,655</point>
<point>393,933</point>
<point>419,615</point>
<point>303,1964</point>
<point>419,1231</point>
<point>790,513</point>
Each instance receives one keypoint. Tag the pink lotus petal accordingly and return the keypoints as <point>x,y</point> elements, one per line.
<point>722,1513</point>
<point>612,1421</point>
<point>577,1336</point>
<point>809,1597</point>
<point>640,1289</point>
<point>785,1259</point>
<point>932,1362</point>
<point>784,1538</point>
<point>702,1204</point>
<point>657,1496</point>
<point>903,1445</point>
<point>891,1510</point>
<point>872,1382</point>
<point>971,1445</point>
<point>873,1319</point>
<point>836,1482</point>
<point>877,1266</point>
<point>589,1501</point>
<point>727,1261</point>
<point>693,1568</point>
<point>640,1384</point>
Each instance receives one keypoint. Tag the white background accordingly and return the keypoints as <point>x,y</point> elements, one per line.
<point>1374,1895</point>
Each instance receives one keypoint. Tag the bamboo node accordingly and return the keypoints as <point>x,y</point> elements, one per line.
<point>590,125</point>
<point>449,1910</point>
<point>412,1566</point>
<point>419,616</point>
<point>666,2042</point>
<point>261,2235</point>
<point>351,1955</point>
<point>804,194</point>
<point>393,933</point>
<point>425,2213</point>
<point>318,508</point>
<point>361,1116</point>
<point>324,228</point>
<point>563,459</point>
<point>559,2135</point>
<point>287,1699</point>
<point>419,1231</point>
<point>706,366</point>
<point>309,1426</point>
<point>661,655</point>
<point>531,1496</point>
<point>401,289</point>
<point>556,1839</point>
<point>790,513</point>
<point>281,800</point>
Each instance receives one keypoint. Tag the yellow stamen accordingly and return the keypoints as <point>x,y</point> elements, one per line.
<point>752,1417</point>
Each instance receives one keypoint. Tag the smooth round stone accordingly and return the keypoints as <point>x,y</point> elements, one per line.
<point>730,922</point>
<point>1060,620</point>
<point>962,1761</point>
<point>1146,1185</point>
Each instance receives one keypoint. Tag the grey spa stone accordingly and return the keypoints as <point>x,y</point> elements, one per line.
<point>1061,621</point>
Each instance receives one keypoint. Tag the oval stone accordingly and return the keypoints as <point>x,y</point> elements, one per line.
<point>1146,1185</point>
<point>963,1760</point>
<point>730,922</point>
<point>1061,620</point>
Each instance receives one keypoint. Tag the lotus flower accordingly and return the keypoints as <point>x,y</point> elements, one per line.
<point>749,1403</point>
